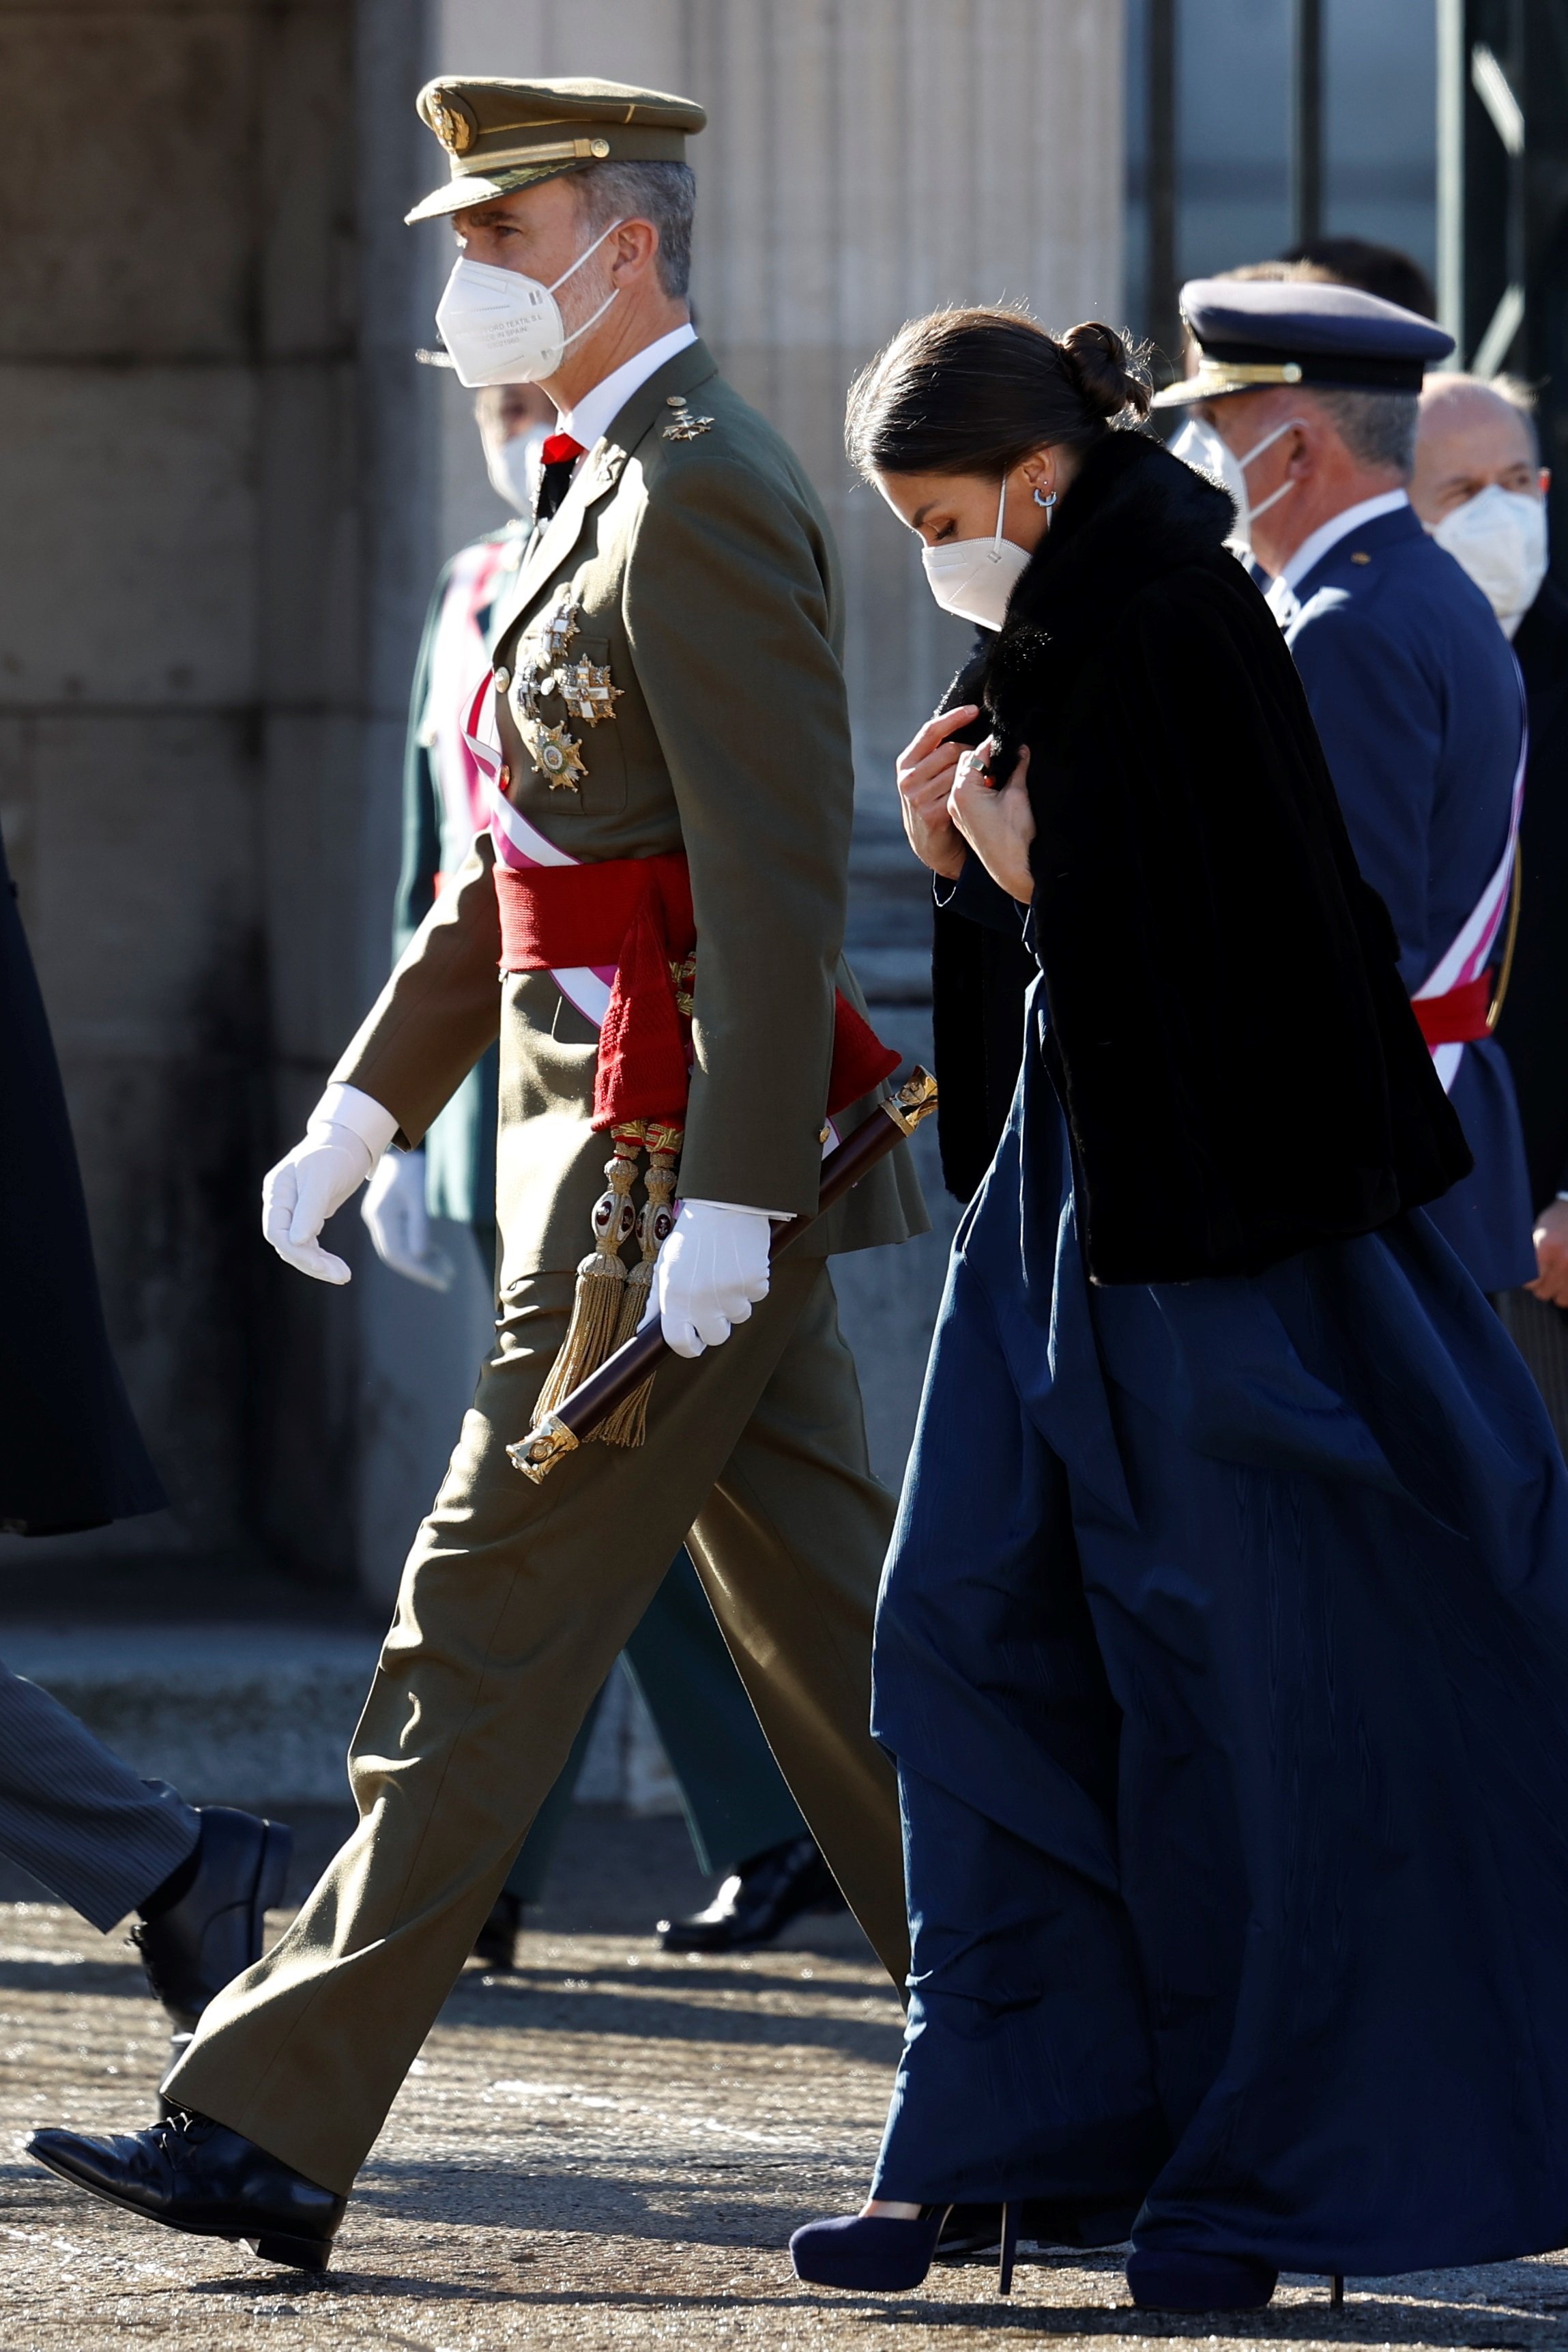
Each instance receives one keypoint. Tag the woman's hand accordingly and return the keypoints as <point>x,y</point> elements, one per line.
<point>1551,1254</point>
<point>999,825</point>
<point>926,771</point>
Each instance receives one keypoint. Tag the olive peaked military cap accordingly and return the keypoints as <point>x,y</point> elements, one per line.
<point>1255,331</point>
<point>501,135</point>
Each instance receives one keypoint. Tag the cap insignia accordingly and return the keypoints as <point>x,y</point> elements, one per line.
<point>451,124</point>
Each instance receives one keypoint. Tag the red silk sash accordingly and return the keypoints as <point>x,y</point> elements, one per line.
<point>1459,1017</point>
<point>636,914</point>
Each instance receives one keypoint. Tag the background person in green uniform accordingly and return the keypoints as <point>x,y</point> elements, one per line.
<point>745,1828</point>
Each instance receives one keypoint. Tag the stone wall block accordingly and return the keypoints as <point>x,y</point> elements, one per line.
<point>307,185</point>
<point>313,888</point>
<point>310,537</point>
<point>129,499</point>
<point>127,183</point>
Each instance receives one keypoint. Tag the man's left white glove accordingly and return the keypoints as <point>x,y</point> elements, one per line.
<point>345,1136</point>
<point>710,1273</point>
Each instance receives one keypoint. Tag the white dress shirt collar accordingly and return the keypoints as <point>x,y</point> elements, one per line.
<point>596,412</point>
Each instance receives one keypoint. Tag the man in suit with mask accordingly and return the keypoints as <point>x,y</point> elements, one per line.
<point>1481,488</point>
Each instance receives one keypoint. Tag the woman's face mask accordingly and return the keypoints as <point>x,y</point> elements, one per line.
<point>975,577</point>
<point>1500,537</point>
<point>1199,445</point>
<point>503,327</point>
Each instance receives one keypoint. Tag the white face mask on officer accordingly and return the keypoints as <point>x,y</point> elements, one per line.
<point>975,577</point>
<point>503,327</point>
<point>1499,539</point>
<point>514,468</point>
<point>1199,445</point>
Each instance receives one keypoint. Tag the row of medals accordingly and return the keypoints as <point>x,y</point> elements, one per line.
<point>584,687</point>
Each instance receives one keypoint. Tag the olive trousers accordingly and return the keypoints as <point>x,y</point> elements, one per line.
<point>515,1602</point>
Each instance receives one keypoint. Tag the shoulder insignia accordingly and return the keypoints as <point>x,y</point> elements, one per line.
<point>1361,556</point>
<point>683,426</point>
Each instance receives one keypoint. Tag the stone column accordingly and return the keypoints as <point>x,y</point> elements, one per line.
<point>178,685</point>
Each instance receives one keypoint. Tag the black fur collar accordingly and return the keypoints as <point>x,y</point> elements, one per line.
<point>1133,512</point>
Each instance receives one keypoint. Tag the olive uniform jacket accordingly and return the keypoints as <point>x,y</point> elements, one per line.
<point>693,563</point>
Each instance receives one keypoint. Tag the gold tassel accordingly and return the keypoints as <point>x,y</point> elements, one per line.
<point>600,1298</point>
<point>628,1425</point>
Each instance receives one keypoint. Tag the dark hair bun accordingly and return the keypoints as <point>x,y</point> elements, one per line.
<point>1111,376</point>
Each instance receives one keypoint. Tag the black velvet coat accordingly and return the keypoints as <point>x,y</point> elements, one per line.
<point>1230,1037</point>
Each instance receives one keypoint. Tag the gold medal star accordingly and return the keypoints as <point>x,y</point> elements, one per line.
<point>585,688</point>
<point>557,757</point>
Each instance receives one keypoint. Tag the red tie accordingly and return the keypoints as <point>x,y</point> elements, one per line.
<point>560,454</point>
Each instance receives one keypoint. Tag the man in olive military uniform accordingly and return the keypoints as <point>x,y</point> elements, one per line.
<point>667,689</point>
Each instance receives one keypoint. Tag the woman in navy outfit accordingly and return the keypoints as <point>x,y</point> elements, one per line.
<point>1223,1647</point>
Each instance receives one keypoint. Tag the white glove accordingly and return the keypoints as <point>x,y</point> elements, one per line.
<point>345,1136</point>
<point>710,1273</point>
<point>393,1209</point>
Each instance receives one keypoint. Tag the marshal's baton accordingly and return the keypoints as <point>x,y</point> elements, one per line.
<point>577,1417</point>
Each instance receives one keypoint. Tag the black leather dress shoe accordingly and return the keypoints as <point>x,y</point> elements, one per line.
<point>193,1948</point>
<point>762,1898</point>
<point>195,2175</point>
<point>496,1942</point>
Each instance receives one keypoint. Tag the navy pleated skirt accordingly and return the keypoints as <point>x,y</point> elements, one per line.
<point>1223,1653</point>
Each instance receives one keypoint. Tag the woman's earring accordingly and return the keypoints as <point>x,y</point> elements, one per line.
<point>1047,501</point>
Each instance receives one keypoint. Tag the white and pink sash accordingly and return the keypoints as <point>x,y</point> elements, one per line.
<point>1468,957</point>
<point>520,844</point>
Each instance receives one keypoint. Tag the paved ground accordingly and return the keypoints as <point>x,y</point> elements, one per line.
<point>608,2148</point>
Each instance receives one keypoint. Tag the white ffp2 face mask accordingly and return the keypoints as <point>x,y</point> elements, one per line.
<point>1500,537</point>
<point>1199,445</point>
<point>514,469</point>
<point>503,327</point>
<point>975,577</point>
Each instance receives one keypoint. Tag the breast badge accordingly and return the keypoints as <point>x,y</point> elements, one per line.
<point>583,686</point>
<point>557,755</point>
<point>683,426</point>
<point>586,690</point>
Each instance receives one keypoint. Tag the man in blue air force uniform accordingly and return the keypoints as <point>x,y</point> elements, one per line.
<point>1311,392</point>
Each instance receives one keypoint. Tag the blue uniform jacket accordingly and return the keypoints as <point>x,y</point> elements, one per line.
<point>1418,701</point>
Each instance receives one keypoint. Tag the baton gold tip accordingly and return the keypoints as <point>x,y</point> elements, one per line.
<point>536,1455</point>
<point>916,1100</point>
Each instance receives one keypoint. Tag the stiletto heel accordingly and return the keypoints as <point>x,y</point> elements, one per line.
<point>1008,2249</point>
<point>869,2250</point>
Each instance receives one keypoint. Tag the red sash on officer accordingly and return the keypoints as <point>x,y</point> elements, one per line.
<point>635,914</point>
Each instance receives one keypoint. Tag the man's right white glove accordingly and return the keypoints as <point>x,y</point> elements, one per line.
<point>345,1136</point>
<point>710,1273</point>
<point>394,1211</point>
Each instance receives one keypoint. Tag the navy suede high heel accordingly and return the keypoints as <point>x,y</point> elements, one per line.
<point>1171,2279</point>
<point>884,2256</point>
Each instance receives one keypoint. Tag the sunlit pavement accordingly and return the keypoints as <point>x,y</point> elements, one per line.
<point>608,2148</point>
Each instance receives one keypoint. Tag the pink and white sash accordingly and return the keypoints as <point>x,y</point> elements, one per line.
<point>1471,951</point>
<point>520,844</point>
